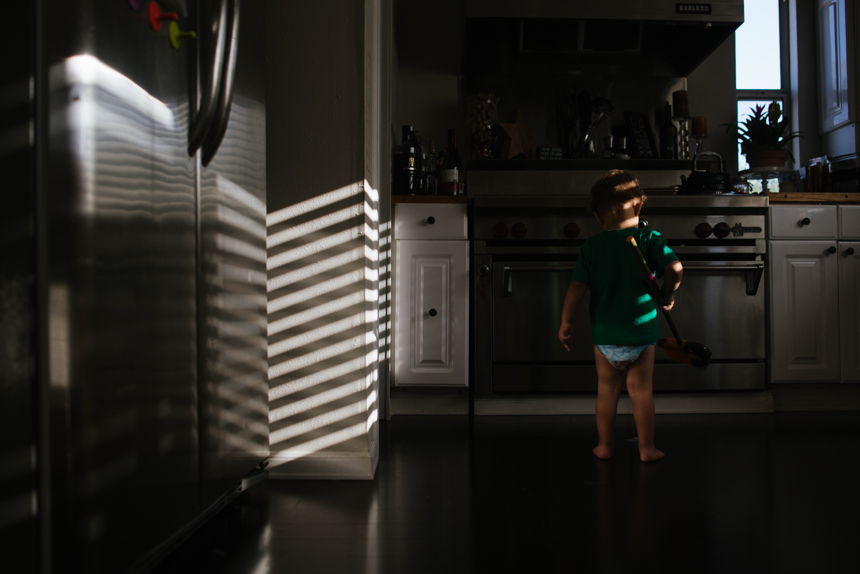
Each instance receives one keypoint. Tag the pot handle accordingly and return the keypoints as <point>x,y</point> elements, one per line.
<point>710,154</point>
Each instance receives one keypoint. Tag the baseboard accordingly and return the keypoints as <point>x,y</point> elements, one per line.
<point>429,405</point>
<point>324,465</point>
<point>816,397</point>
<point>714,403</point>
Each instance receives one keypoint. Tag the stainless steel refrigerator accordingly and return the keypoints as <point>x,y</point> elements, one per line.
<point>133,398</point>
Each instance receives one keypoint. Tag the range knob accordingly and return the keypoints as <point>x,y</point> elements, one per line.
<point>722,230</point>
<point>704,230</point>
<point>571,230</point>
<point>500,230</point>
<point>520,230</point>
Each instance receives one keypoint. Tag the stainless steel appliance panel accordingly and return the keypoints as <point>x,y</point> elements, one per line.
<point>545,378</point>
<point>22,497</point>
<point>121,262</point>
<point>714,307</point>
<point>234,416</point>
<point>715,377</point>
<point>527,304</point>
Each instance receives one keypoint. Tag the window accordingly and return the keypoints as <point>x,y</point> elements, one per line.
<point>764,78</point>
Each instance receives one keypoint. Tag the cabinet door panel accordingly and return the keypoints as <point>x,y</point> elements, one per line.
<point>431,344</point>
<point>431,306</point>
<point>805,318</point>
<point>849,309</point>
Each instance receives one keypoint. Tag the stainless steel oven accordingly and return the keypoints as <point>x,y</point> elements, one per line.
<point>525,250</point>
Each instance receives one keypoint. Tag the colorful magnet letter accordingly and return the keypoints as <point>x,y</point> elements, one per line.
<point>176,34</point>
<point>156,16</point>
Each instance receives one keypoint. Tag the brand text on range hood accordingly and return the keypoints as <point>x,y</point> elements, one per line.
<point>611,37</point>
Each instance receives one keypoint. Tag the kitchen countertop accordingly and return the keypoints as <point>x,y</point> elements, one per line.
<point>810,197</point>
<point>431,199</point>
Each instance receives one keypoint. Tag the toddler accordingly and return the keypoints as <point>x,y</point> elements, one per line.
<point>623,315</point>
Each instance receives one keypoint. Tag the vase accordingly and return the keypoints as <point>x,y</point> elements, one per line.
<point>767,158</point>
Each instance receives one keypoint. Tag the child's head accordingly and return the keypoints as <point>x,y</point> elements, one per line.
<point>614,191</point>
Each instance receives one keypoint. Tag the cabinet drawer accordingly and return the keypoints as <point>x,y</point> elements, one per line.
<point>849,222</point>
<point>430,221</point>
<point>788,222</point>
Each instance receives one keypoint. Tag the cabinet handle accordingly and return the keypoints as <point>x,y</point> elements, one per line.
<point>432,312</point>
<point>849,251</point>
<point>431,220</point>
<point>831,249</point>
<point>805,221</point>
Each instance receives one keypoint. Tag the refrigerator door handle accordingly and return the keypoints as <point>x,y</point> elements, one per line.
<point>225,99</point>
<point>211,45</point>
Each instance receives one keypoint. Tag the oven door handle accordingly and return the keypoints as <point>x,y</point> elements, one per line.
<point>508,276</point>
<point>754,273</point>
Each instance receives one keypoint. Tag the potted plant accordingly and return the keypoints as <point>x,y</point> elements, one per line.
<point>764,136</point>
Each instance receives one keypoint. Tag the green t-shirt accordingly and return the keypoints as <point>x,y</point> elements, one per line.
<point>621,310</point>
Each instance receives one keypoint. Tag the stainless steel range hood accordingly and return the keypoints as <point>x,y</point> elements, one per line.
<point>594,37</point>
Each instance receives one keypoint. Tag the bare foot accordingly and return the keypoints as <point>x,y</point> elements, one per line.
<point>602,452</point>
<point>650,454</point>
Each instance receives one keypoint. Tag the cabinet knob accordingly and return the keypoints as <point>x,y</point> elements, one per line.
<point>431,220</point>
<point>483,270</point>
<point>643,224</point>
<point>849,251</point>
<point>805,221</point>
<point>432,312</point>
<point>831,249</point>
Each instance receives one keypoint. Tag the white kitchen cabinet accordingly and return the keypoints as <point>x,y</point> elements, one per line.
<point>431,295</point>
<point>849,303</point>
<point>849,291</point>
<point>815,281</point>
<point>805,311</point>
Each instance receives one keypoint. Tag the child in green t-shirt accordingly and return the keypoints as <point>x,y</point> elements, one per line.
<point>623,315</point>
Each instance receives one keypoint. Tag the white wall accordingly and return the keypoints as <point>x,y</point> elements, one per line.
<point>324,172</point>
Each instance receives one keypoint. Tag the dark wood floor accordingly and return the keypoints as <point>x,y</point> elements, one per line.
<point>735,493</point>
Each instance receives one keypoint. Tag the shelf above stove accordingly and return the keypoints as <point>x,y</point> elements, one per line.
<point>578,164</point>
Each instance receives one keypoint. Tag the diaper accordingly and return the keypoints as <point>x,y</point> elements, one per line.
<point>620,356</point>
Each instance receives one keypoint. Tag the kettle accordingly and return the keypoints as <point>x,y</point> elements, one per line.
<point>705,182</point>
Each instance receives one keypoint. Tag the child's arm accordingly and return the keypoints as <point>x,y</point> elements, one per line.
<point>575,293</point>
<point>671,281</point>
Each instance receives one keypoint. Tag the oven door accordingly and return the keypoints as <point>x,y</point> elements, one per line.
<point>527,356</point>
<point>721,304</point>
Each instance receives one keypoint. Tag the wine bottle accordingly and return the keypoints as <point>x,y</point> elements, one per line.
<point>450,176</point>
<point>668,135</point>
<point>431,181</point>
<point>407,165</point>
<point>416,137</point>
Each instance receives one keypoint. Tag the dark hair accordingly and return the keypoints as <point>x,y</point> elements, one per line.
<point>613,190</point>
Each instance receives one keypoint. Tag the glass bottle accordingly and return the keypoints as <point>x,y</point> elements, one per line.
<point>431,181</point>
<point>416,137</point>
<point>407,165</point>
<point>450,176</point>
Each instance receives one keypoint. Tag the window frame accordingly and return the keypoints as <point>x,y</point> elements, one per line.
<point>784,92</point>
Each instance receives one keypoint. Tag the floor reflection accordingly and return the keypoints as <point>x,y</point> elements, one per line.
<point>525,494</point>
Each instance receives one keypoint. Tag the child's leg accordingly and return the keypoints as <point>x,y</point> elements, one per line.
<point>609,383</point>
<point>639,387</point>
